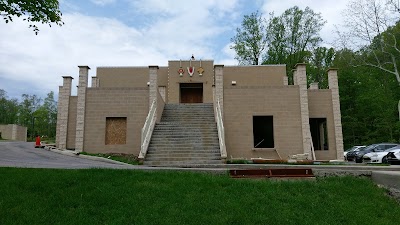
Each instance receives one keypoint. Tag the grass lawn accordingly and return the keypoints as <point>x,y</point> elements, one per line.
<point>98,196</point>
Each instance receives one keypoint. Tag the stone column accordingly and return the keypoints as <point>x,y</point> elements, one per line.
<point>64,92</point>
<point>219,86</point>
<point>314,86</point>
<point>301,80</point>
<point>81,106</point>
<point>14,132</point>
<point>337,121</point>
<point>94,82</point>
<point>294,76</point>
<point>153,86</point>
<point>285,80</point>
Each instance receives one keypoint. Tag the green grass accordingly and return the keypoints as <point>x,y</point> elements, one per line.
<point>98,196</point>
<point>126,158</point>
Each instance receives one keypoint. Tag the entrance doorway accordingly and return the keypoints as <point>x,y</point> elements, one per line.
<point>191,92</point>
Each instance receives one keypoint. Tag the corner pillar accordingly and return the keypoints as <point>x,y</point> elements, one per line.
<point>337,121</point>
<point>300,78</point>
<point>153,84</point>
<point>64,92</point>
<point>81,107</point>
<point>95,82</point>
<point>219,86</point>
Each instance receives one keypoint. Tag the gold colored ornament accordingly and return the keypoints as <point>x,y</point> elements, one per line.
<point>200,70</point>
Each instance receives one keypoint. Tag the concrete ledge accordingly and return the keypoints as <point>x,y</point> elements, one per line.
<point>76,154</point>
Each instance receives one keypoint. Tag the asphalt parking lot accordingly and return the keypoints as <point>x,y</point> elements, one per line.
<point>24,154</point>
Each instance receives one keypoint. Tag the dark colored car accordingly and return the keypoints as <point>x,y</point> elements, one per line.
<point>394,157</point>
<point>358,156</point>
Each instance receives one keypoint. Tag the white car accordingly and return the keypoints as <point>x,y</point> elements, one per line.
<point>380,157</point>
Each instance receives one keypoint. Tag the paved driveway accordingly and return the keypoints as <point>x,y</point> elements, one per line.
<point>23,154</point>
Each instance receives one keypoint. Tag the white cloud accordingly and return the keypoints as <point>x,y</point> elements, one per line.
<point>103,2</point>
<point>41,60</point>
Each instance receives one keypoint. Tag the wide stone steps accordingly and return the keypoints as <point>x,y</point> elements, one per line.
<point>183,163</point>
<point>186,136</point>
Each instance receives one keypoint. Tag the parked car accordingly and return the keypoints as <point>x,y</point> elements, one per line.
<point>379,157</point>
<point>393,157</point>
<point>358,156</point>
<point>353,149</point>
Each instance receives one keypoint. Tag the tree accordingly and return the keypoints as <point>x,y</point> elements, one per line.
<point>368,102</point>
<point>8,109</point>
<point>292,37</point>
<point>29,104</point>
<point>43,11</point>
<point>317,66</point>
<point>250,39</point>
<point>373,30</point>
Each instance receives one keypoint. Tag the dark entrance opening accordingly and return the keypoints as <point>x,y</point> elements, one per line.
<point>319,133</point>
<point>263,131</point>
<point>191,92</point>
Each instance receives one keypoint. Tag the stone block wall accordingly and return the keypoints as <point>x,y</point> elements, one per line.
<point>13,132</point>
<point>132,103</point>
<point>241,103</point>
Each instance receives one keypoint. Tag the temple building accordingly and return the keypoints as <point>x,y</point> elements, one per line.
<point>198,112</point>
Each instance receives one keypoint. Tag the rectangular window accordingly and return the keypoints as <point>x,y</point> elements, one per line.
<point>263,131</point>
<point>115,130</point>
<point>319,133</point>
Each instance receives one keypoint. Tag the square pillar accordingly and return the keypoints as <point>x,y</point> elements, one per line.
<point>95,82</point>
<point>300,78</point>
<point>337,121</point>
<point>81,106</point>
<point>219,86</point>
<point>314,86</point>
<point>285,80</point>
<point>153,84</point>
<point>62,112</point>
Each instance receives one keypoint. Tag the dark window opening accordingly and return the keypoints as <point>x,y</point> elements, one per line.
<point>319,133</point>
<point>263,131</point>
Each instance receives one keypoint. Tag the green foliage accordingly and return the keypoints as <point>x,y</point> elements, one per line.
<point>40,117</point>
<point>368,100</point>
<point>293,37</point>
<point>43,11</point>
<point>317,66</point>
<point>250,40</point>
<point>94,196</point>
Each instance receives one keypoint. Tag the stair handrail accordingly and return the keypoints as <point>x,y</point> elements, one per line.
<point>147,130</point>
<point>221,131</point>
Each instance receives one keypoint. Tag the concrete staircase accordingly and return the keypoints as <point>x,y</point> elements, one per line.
<point>186,136</point>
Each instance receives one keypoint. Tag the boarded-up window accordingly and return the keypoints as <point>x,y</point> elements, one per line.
<point>115,130</point>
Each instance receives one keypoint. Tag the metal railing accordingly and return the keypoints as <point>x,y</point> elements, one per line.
<point>147,130</point>
<point>221,131</point>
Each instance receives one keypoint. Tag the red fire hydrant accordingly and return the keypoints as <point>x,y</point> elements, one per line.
<point>37,144</point>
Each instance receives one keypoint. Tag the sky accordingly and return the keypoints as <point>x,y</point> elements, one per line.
<point>132,33</point>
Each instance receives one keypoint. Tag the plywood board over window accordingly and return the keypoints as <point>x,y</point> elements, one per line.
<point>115,130</point>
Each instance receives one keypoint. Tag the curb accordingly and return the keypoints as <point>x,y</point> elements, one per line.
<point>76,154</point>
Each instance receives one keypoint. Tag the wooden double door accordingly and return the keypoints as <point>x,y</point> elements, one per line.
<point>191,92</point>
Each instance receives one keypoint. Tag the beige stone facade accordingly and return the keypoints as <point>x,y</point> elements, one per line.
<point>13,132</point>
<point>256,102</point>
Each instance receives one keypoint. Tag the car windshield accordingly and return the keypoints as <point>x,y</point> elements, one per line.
<point>369,148</point>
<point>391,149</point>
<point>351,149</point>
